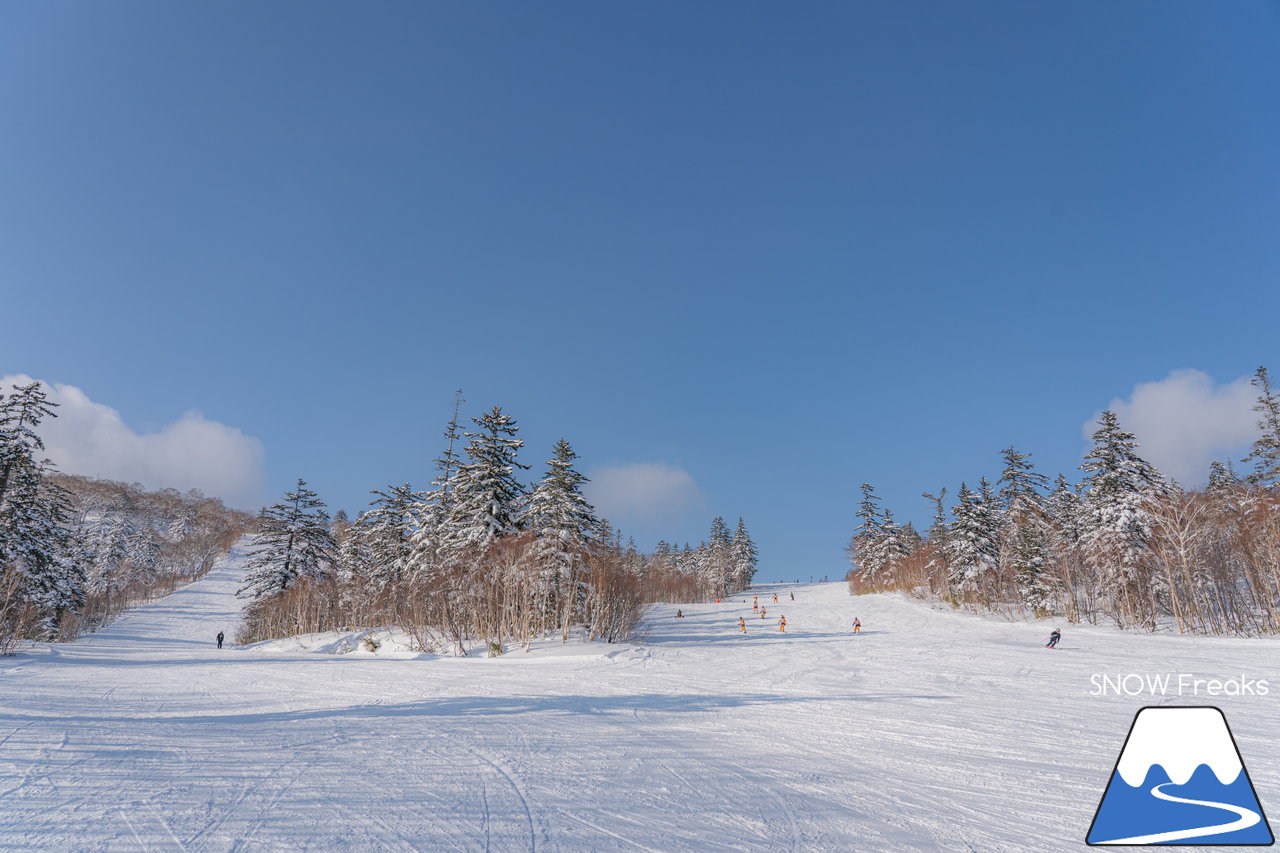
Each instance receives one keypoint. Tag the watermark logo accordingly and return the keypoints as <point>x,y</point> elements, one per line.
<point>1180,780</point>
<point>1174,684</point>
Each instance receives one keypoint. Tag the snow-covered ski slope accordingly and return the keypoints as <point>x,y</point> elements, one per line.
<point>931,731</point>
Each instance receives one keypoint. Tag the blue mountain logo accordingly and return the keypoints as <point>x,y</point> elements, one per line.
<point>1180,780</point>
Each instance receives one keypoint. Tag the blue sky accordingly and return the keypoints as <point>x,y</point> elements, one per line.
<point>768,252</point>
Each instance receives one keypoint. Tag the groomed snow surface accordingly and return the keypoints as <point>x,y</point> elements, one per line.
<point>932,730</point>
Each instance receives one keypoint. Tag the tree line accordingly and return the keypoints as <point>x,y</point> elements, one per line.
<point>75,551</point>
<point>1125,543</point>
<point>477,557</point>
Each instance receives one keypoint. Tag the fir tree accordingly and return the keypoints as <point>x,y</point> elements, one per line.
<point>565,525</point>
<point>34,539</point>
<point>292,542</point>
<point>388,529</point>
<point>971,540</point>
<point>865,548</point>
<point>1122,488</point>
<point>1265,455</point>
<point>1020,484</point>
<point>486,497</point>
<point>744,558</point>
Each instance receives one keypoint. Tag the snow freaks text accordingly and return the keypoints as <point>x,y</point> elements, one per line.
<point>1174,684</point>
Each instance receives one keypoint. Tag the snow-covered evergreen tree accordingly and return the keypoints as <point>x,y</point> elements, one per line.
<point>292,542</point>
<point>34,538</point>
<point>431,517</point>
<point>1265,455</point>
<point>744,558</point>
<point>1021,486</point>
<point>716,563</point>
<point>565,525</point>
<point>971,540</point>
<point>866,548</point>
<point>485,499</point>
<point>388,532</point>
<point>1116,531</point>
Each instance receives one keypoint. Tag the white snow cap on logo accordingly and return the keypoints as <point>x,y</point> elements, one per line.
<point>1179,740</point>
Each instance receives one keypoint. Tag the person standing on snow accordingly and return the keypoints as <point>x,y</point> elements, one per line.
<point>782,624</point>
<point>219,639</point>
<point>857,626</point>
<point>742,624</point>
<point>793,596</point>
<point>1053,639</point>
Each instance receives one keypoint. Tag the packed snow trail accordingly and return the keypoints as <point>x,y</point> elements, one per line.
<point>930,731</point>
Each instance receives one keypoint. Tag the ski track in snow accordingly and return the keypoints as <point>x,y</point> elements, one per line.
<point>931,731</point>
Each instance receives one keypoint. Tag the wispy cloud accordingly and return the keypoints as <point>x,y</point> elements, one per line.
<point>92,439</point>
<point>1185,421</point>
<point>642,493</point>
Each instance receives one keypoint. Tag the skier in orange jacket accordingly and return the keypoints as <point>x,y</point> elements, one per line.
<point>742,624</point>
<point>857,626</point>
<point>782,624</point>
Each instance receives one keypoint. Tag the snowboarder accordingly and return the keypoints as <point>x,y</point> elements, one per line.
<point>782,624</point>
<point>219,639</point>
<point>742,624</point>
<point>1053,639</point>
<point>857,626</point>
<point>679,614</point>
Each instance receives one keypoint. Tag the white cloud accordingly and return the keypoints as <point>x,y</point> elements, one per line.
<point>1185,421</point>
<point>92,439</point>
<point>643,493</point>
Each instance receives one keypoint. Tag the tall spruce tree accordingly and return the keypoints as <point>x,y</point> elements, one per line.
<point>565,525</point>
<point>971,540</point>
<point>34,512</point>
<point>717,559</point>
<point>1265,455</point>
<point>486,498</point>
<point>866,547</point>
<point>744,558</point>
<point>292,542</point>
<point>432,515</point>
<point>1122,489</point>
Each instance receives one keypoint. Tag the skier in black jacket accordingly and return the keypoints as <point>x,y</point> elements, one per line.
<point>219,639</point>
<point>1053,639</point>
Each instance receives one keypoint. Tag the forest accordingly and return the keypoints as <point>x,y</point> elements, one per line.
<point>75,552</point>
<point>1124,544</point>
<point>478,556</point>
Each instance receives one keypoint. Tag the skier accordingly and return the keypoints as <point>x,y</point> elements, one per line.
<point>742,624</point>
<point>857,626</point>
<point>755,608</point>
<point>782,624</point>
<point>793,596</point>
<point>763,610</point>
<point>1053,639</point>
<point>219,639</point>
<point>775,598</point>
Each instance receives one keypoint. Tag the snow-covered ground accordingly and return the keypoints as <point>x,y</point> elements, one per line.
<point>932,730</point>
